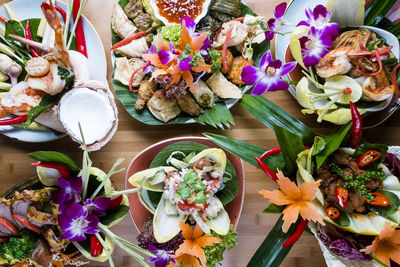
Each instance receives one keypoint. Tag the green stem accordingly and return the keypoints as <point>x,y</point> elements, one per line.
<point>68,20</point>
<point>78,16</point>
<point>327,106</point>
<point>374,258</point>
<point>118,193</point>
<point>109,174</point>
<point>135,246</point>
<point>86,165</point>
<point>106,248</point>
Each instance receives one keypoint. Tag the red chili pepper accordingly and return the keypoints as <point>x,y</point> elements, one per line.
<point>114,203</point>
<point>356,128</point>
<point>62,13</point>
<point>15,120</point>
<point>342,194</point>
<point>270,152</point>
<point>332,212</point>
<point>95,246</point>
<point>238,19</point>
<point>128,40</point>
<point>214,184</point>
<point>367,158</point>
<point>133,75</point>
<point>79,32</point>
<point>217,33</point>
<point>382,51</point>
<point>156,94</point>
<point>186,204</point>
<point>380,200</point>
<point>394,80</point>
<point>64,171</point>
<point>9,226</point>
<point>27,224</point>
<point>380,66</point>
<point>225,48</point>
<point>28,36</point>
<point>3,239</point>
<point>3,19</point>
<point>297,233</point>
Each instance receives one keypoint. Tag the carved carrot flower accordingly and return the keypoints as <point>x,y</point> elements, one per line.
<point>298,200</point>
<point>386,245</point>
<point>190,252</point>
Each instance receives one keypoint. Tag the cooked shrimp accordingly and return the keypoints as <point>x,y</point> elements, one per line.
<point>377,88</point>
<point>50,83</point>
<point>19,100</point>
<point>336,62</point>
<point>237,66</point>
<point>61,54</point>
<point>10,67</point>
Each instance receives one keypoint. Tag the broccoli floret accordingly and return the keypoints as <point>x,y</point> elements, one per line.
<point>19,248</point>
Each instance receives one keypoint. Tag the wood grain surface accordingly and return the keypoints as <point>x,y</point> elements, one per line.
<point>133,136</point>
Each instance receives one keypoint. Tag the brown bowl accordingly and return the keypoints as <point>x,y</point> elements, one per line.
<point>143,160</point>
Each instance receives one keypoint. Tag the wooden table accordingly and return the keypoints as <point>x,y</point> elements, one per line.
<point>133,136</point>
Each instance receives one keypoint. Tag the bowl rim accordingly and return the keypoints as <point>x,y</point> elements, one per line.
<point>183,139</point>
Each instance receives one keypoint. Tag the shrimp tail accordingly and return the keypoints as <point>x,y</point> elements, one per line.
<point>60,51</point>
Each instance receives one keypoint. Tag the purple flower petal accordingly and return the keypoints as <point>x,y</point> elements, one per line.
<point>152,49</point>
<point>97,207</point>
<point>265,60</point>
<point>152,248</point>
<point>269,35</point>
<point>251,75</point>
<point>190,25</point>
<point>320,11</point>
<point>277,84</point>
<point>76,183</point>
<point>75,211</point>
<point>276,64</point>
<point>303,22</point>
<point>165,56</point>
<point>91,224</point>
<point>286,68</point>
<point>184,64</point>
<point>280,10</point>
<point>261,87</point>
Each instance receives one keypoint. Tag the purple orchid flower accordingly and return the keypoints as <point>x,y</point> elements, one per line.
<point>97,207</point>
<point>267,76</point>
<point>315,45</point>
<point>162,257</point>
<point>277,23</point>
<point>75,223</point>
<point>319,18</point>
<point>69,192</point>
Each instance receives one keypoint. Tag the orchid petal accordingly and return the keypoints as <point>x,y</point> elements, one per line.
<point>269,35</point>
<point>190,25</point>
<point>265,60</point>
<point>320,10</point>
<point>280,10</point>
<point>165,56</point>
<point>286,68</point>
<point>184,64</point>
<point>276,64</point>
<point>261,87</point>
<point>251,75</point>
<point>152,49</point>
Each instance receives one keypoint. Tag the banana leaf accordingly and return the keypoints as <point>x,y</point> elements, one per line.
<point>271,115</point>
<point>377,11</point>
<point>219,116</point>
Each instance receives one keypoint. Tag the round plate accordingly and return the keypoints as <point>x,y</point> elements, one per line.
<point>294,14</point>
<point>26,9</point>
<point>143,160</point>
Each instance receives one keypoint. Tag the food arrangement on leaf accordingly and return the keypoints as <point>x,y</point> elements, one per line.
<point>345,192</point>
<point>184,67</point>
<point>342,57</point>
<point>50,81</point>
<point>187,188</point>
<point>63,214</point>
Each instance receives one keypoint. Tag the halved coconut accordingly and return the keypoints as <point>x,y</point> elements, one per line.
<point>221,223</point>
<point>216,155</point>
<point>166,224</point>
<point>92,105</point>
<point>364,224</point>
<point>146,177</point>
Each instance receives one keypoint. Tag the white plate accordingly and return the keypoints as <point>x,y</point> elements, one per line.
<point>295,13</point>
<point>26,9</point>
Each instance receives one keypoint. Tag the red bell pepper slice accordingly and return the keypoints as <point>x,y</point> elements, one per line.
<point>27,224</point>
<point>356,128</point>
<point>332,212</point>
<point>300,228</point>
<point>64,171</point>
<point>114,203</point>
<point>368,157</point>
<point>15,120</point>
<point>95,246</point>
<point>380,200</point>
<point>9,226</point>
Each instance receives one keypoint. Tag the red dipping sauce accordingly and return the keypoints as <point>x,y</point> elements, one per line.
<point>175,10</point>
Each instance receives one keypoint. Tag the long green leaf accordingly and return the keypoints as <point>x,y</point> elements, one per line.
<point>271,252</point>
<point>377,9</point>
<point>47,102</point>
<point>291,145</point>
<point>246,151</point>
<point>271,115</point>
<point>53,156</point>
<point>332,142</point>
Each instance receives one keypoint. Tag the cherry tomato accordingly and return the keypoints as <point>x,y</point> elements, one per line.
<point>332,212</point>
<point>368,157</point>
<point>114,203</point>
<point>341,194</point>
<point>380,200</point>
<point>95,246</point>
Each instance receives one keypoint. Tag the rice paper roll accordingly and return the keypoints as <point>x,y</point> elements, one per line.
<point>203,95</point>
<point>136,48</point>
<point>164,109</point>
<point>188,104</point>
<point>223,88</point>
<point>124,69</point>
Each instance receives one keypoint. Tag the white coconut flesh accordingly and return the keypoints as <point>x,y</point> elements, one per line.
<point>365,224</point>
<point>92,109</point>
